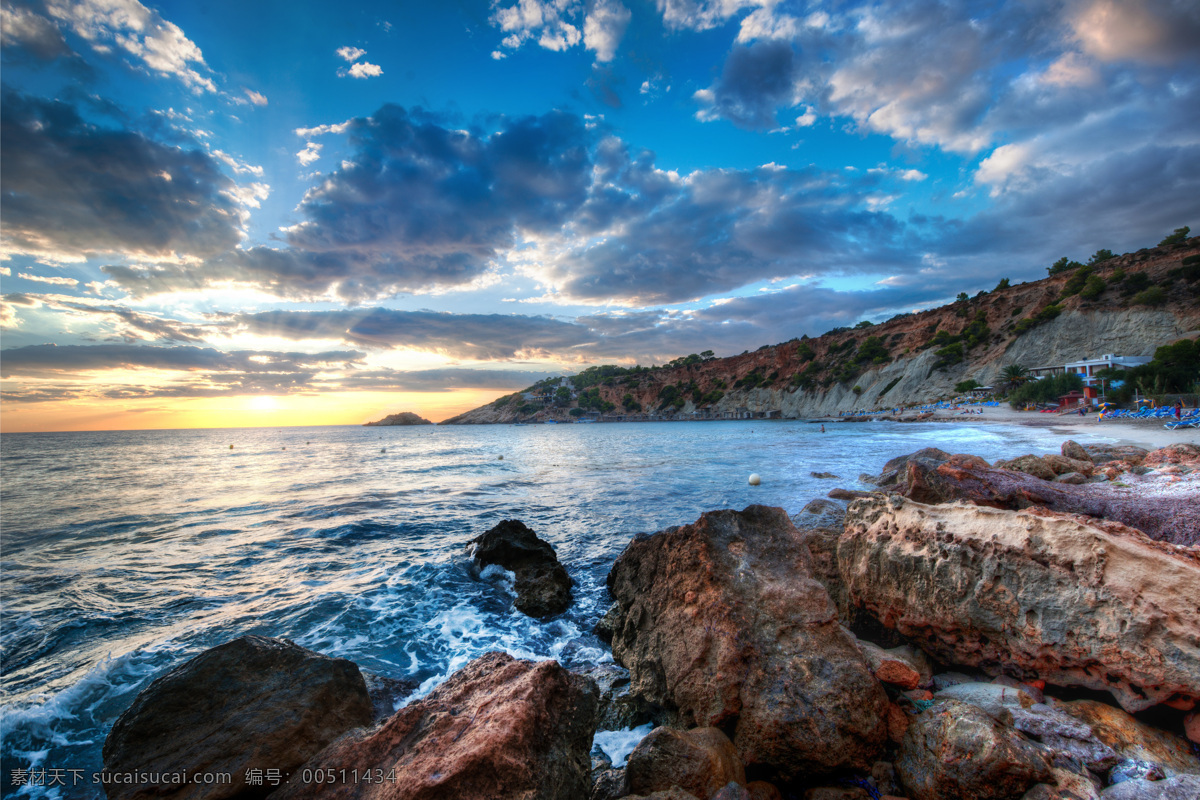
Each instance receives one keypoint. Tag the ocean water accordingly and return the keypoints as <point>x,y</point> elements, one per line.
<point>123,554</point>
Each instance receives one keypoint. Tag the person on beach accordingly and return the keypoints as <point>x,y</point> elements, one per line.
<point>1178,409</point>
<point>822,429</point>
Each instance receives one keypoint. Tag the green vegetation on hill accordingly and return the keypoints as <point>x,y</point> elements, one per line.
<point>1047,390</point>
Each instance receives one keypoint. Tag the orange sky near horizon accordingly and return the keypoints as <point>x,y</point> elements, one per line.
<point>247,411</point>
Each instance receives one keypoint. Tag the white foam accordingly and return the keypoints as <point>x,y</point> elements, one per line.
<point>617,745</point>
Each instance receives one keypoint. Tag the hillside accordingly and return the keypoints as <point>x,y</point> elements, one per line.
<point>401,418</point>
<point>1127,305</point>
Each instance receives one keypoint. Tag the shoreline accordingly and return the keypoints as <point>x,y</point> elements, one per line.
<point>1149,434</point>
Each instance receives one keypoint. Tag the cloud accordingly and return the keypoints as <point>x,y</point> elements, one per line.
<point>1154,31</point>
<point>701,15</point>
<point>257,98</point>
<point>755,81</point>
<point>47,360</point>
<point>21,27</point>
<point>310,153</point>
<point>365,70</point>
<point>351,53</point>
<point>55,280</point>
<point>73,189</point>
<point>604,28</point>
<point>114,321</point>
<point>143,34</point>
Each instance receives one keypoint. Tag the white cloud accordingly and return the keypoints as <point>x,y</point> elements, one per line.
<point>351,53</point>
<point>807,119</point>
<point>604,27</point>
<point>142,33</point>
<point>320,130</point>
<point>237,166</point>
<point>5,271</point>
<point>54,279</point>
<point>256,98</point>
<point>364,69</point>
<point>913,175</point>
<point>1155,31</point>
<point>497,55</point>
<point>310,153</point>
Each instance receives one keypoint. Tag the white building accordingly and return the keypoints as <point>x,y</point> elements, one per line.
<point>1088,368</point>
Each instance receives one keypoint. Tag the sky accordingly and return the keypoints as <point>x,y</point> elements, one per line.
<point>227,214</point>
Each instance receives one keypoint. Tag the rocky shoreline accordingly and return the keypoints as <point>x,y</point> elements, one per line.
<point>964,631</point>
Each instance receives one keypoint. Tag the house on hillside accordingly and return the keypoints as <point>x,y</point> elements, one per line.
<point>1088,367</point>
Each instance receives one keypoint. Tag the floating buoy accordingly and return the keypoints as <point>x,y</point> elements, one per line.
<point>383,450</point>
<point>499,458</point>
<point>754,479</point>
<point>285,448</point>
<point>230,447</point>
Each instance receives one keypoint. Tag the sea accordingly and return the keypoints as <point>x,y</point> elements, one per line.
<point>124,554</point>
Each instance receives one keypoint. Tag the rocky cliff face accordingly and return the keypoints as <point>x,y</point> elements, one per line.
<point>1032,324</point>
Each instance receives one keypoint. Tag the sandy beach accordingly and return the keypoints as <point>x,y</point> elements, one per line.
<point>1144,433</point>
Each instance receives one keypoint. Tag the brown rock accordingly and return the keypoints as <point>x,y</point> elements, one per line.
<point>837,793</point>
<point>1133,739</point>
<point>1073,449</point>
<point>955,751</point>
<point>1191,726</point>
<point>1104,453</point>
<point>1180,454</point>
<point>968,461</point>
<point>1061,465</point>
<point>1072,478</point>
<point>543,587</point>
<point>498,727</point>
<point>723,620</point>
<point>674,793</point>
<point>848,494</point>
<point>250,703</point>
<point>761,790</point>
<point>1165,518</point>
<point>700,761</point>
<point>1030,592</point>
<point>1030,465</point>
<point>1181,787</point>
<point>732,791</point>
<point>1065,785</point>
<point>608,784</point>
<point>890,666</point>
<point>897,723</point>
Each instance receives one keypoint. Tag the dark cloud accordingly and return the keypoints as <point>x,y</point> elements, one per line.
<point>26,31</point>
<point>72,188</point>
<point>755,81</point>
<point>46,360</point>
<point>441,380</point>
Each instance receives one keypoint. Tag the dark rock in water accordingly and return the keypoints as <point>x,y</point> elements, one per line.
<point>386,693</point>
<point>723,621</point>
<point>1032,593</point>
<point>543,587</point>
<point>848,494</point>
<point>607,624</point>
<point>955,751</point>
<point>1183,787</point>
<point>700,761</point>
<point>822,475</point>
<point>497,728</point>
<point>251,703</point>
<point>620,708</point>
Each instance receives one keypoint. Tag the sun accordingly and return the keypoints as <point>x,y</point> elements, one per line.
<point>262,403</point>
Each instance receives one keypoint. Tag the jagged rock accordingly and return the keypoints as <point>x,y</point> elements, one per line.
<point>1133,739</point>
<point>387,693</point>
<point>1073,449</point>
<point>821,513</point>
<point>944,680</point>
<point>608,784</point>
<point>848,494</point>
<point>930,455</point>
<point>618,708</point>
<point>1191,726</point>
<point>1065,785</point>
<point>955,751</point>
<point>732,791</point>
<point>1105,453</point>
<point>604,628</point>
<point>837,793</point>
<point>253,702</point>
<point>1030,465</point>
<point>1030,593</point>
<point>674,793</point>
<point>543,587</point>
<point>1183,787</point>
<point>1178,454</point>
<point>723,620</point>
<point>498,727</point>
<point>1135,769</point>
<point>823,475</point>
<point>1072,478</point>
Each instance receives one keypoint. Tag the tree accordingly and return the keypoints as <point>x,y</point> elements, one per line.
<point>962,297</point>
<point>1175,238</point>
<point>708,355</point>
<point>1093,288</point>
<point>1064,264</point>
<point>1014,375</point>
<point>1003,284</point>
<point>966,386</point>
<point>1099,256</point>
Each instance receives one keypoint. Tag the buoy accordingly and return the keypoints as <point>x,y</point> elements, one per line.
<point>754,479</point>
<point>499,458</point>
<point>383,450</point>
<point>230,447</point>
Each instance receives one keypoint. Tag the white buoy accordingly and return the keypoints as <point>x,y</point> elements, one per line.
<point>754,479</point>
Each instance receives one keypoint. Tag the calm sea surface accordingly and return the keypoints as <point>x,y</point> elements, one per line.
<point>125,553</point>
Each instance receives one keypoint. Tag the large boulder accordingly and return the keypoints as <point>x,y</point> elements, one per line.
<point>1030,465</point>
<point>1164,517</point>
<point>700,761</point>
<point>542,585</point>
<point>1030,593</point>
<point>1133,739</point>
<point>955,751</point>
<point>1107,453</point>
<point>253,703</point>
<point>723,621</point>
<point>1182,787</point>
<point>497,728</point>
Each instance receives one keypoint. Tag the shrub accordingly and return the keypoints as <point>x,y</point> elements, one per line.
<point>962,297</point>
<point>951,354</point>
<point>804,352</point>
<point>872,350</point>
<point>1175,238</point>
<point>1099,256</point>
<point>1063,265</point>
<point>1093,288</point>
<point>966,386</point>
<point>1003,284</point>
<point>1046,390</point>
<point>1077,281</point>
<point>891,384</point>
<point>866,323</point>
<point>576,412</point>
<point>1154,296</point>
<point>857,389</point>
<point>1135,283</point>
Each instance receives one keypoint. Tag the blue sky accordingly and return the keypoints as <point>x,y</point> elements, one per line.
<point>316,211</point>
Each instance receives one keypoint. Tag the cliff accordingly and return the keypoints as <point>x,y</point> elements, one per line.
<point>403,418</point>
<point>1146,299</point>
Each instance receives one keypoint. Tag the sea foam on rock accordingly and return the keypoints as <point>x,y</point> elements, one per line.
<point>723,621</point>
<point>1030,593</point>
<point>251,703</point>
<point>497,728</point>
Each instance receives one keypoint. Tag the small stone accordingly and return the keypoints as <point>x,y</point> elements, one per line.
<point>1132,769</point>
